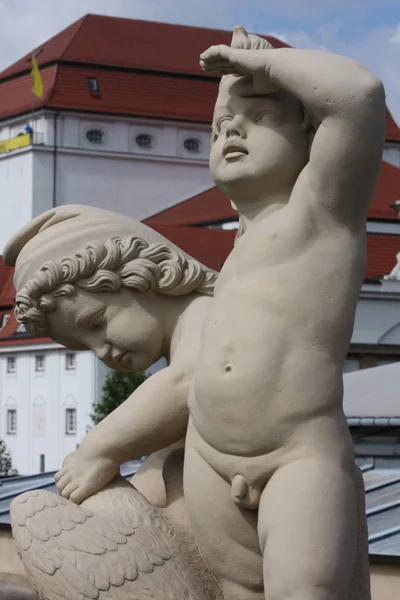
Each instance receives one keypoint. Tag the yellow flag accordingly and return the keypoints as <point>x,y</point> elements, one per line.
<point>37,83</point>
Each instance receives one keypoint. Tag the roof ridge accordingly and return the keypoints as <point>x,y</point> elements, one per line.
<point>82,21</point>
<point>49,95</point>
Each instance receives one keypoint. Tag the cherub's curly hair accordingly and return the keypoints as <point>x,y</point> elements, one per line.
<point>127,261</point>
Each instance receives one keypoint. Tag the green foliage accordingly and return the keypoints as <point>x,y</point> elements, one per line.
<point>116,389</point>
<point>6,468</point>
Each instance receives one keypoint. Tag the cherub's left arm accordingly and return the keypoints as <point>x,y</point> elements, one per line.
<point>347,105</point>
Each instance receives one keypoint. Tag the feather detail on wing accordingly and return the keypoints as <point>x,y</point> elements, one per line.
<point>121,548</point>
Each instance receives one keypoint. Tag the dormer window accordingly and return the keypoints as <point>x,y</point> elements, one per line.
<point>4,320</point>
<point>93,85</point>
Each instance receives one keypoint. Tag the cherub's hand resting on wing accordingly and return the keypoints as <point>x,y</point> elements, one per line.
<point>84,473</point>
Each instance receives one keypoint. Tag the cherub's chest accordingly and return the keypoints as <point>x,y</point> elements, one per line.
<point>276,245</point>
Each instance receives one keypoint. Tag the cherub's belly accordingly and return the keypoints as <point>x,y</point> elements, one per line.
<point>255,384</point>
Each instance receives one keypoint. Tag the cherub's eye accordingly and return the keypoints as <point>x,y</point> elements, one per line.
<point>260,116</point>
<point>223,122</point>
<point>97,321</point>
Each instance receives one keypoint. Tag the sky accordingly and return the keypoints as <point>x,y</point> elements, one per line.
<point>367,30</point>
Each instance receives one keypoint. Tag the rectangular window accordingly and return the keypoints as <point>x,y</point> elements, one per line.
<point>93,84</point>
<point>11,421</point>
<point>11,364</point>
<point>70,361</point>
<point>42,466</point>
<point>70,421</point>
<point>40,362</point>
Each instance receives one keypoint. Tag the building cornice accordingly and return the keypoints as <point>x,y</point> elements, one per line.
<point>31,347</point>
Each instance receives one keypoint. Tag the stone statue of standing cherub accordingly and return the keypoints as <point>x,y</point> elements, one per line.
<point>271,489</point>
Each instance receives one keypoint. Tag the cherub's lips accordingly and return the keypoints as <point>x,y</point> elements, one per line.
<point>119,357</point>
<point>233,149</point>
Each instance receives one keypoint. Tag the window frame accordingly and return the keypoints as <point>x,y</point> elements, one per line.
<point>93,85</point>
<point>71,411</point>
<point>12,426</point>
<point>43,357</point>
<point>68,366</point>
<point>97,130</point>
<point>14,369</point>
<point>152,141</point>
<point>192,138</point>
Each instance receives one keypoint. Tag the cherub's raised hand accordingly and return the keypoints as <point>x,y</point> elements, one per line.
<point>226,60</point>
<point>253,65</point>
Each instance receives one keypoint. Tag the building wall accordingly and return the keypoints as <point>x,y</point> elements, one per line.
<point>128,185</point>
<point>41,400</point>
<point>377,321</point>
<point>64,167</point>
<point>16,172</point>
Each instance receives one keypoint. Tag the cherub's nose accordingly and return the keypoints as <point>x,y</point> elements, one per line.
<point>103,351</point>
<point>235,129</point>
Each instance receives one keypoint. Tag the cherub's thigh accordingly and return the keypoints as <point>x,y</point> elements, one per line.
<point>308,531</point>
<point>226,535</point>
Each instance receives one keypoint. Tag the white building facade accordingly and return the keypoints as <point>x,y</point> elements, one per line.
<point>137,167</point>
<point>47,396</point>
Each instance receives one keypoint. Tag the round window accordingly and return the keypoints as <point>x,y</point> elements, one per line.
<point>95,136</point>
<point>144,140</point>
<point>192,144</point>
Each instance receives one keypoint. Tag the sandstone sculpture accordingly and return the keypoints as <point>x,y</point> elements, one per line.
<point>152,298</point>
<point>274,498</point>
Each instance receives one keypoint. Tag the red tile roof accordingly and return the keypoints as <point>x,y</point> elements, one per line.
<point>386,193</point>
<point>115,50</point>
<point>153,70</point>
<point>210,246</point>
<point>212,206</point>
<point>131,44</point>
<point>138,94</point>
<point>16,94</point>
<point>392,129</point>
<point>6,286</point>
<point>382,250</point>
<point>208,207</point>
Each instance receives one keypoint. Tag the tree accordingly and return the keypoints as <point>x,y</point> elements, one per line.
<point>6,468</point>
<point>116,389</point>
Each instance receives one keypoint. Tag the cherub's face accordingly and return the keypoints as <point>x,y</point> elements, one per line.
<point>258,146</point>
<point>118,326</point>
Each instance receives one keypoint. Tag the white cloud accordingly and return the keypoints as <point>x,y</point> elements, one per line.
<point>395,39</point>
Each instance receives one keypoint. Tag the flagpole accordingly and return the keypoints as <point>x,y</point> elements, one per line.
<point>37,88</point>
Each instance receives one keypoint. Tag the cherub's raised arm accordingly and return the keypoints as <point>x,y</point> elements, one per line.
<point>346,103</point>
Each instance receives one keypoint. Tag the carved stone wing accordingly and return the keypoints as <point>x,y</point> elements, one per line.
<point>125,550</point>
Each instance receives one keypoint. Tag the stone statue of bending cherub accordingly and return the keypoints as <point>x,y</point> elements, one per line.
<point>270,481</point>
<point>130,296</point>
